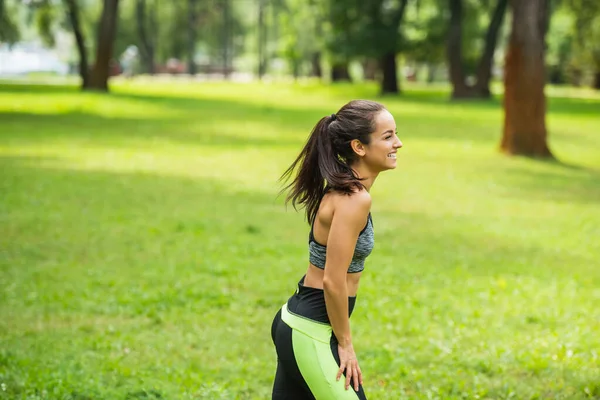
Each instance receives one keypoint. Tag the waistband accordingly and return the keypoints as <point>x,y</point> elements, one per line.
<point>316,330</point>
<point>309,302</point>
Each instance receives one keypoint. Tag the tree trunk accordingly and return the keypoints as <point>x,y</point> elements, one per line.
<point>370,69</point>
<point>454,51</point>
<point>192,36</point>
<point>262,67</point>
<point>226,39</point>
<point>481,88</point>
<point>389,81</point>
<point>107,30</point>
<point>315,65</point>
<point>147,46</point>
<point>339,72</point>
<point>597,80</point>
<point>524,80</point>
<point>387,61</point>
<point>430,72</point>
<point>484,70</point>
<point>73,15</point>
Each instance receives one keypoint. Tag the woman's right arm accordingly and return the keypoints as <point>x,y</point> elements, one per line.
<point>349,217</point>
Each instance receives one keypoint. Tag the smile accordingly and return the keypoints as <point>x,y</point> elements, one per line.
<point>392,155</point>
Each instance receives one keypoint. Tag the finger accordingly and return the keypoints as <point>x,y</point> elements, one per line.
<point>348,377</point>
<point>340,371</point>
<point>355,378</point>
<point>360,376</point>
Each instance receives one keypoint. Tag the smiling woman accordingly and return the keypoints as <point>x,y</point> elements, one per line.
<point>344,155</point>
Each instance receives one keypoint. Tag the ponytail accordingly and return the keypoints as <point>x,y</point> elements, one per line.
<point>321,168</point>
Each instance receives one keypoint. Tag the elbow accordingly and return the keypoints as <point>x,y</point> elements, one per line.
<point>333,284</point>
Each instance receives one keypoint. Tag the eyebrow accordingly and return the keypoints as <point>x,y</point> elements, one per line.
<point>389,131</point>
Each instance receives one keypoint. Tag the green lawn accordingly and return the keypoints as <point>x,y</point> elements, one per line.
<point>144,250</point>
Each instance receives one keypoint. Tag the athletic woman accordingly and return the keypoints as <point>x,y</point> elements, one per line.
<point>336,169</point>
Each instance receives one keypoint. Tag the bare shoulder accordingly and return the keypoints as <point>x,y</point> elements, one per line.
<point>357,204</point>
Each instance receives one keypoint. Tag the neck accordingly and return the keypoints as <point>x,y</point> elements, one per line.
<point>367,177</point>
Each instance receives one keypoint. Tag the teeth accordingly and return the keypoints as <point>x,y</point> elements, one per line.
<point>392,156</point>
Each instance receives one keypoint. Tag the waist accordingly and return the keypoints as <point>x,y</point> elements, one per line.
<point>315,275</point>
<point>309,302</point>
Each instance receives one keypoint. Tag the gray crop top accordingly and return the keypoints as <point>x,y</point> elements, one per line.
<point>364,246</point>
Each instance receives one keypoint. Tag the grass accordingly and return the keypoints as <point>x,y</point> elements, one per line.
<point>144,250</point>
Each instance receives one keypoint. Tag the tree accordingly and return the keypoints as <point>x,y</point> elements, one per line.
<point>389,82</point>
<point>227,35</point>
<point>72,8</point>
<point>424,33</point>
<point>262,39</point>
<point>192,35</point>
<point>107,28</point>
<point>524,99</point>
<point>302,24</point>
<point>586,32</point>
<point>9,31</point>
<point>460,88</point>
<point>144,17</point>
<point>370,29</point>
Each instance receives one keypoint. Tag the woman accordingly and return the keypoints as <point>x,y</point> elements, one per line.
<point>344,154</point>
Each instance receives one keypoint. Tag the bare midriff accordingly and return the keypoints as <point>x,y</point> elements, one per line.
<point>314,278</point>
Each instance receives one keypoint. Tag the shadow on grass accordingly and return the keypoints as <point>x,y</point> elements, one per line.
<point>418,95</point>
<point>563,183</point>
<point>235,124</point>
<point>22,126</point>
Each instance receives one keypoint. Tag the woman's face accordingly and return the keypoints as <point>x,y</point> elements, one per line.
<point>380,153</point>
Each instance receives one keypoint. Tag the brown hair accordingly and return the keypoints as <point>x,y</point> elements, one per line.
<point>324,162</point>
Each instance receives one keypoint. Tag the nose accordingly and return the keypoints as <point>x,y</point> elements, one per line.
<point>398,144</point>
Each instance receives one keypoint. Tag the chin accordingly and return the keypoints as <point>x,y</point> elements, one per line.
<point>387,168</point>
<point>393,166</point>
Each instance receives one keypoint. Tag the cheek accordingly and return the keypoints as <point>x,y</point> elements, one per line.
<point>378,150</point>
<point>383,148</point>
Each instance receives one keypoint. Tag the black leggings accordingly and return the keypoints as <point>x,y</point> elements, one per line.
<point>307,350</point>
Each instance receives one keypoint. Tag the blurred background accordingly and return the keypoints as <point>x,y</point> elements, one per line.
<point>332,40</point>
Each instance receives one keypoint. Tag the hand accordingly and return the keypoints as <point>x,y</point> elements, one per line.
<point>349,363</point>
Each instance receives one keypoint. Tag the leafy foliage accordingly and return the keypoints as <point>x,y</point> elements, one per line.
<point>9,30</point>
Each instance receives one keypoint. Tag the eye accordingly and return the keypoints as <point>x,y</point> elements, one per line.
<point>388,137</point>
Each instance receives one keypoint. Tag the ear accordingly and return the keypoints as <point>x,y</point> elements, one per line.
<point>358,147</point>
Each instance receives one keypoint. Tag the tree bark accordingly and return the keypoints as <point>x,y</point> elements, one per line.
<point>597,80</point>
<point>339,72</point>
<point>106,37</point>
<point>484,70</point>
<point>192,36</point>
<point>524,80</point>
<point>73,16</point>
<point>389,81</point>
<point>147,46</point>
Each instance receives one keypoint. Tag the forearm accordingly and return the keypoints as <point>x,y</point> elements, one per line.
<point>336,301</point>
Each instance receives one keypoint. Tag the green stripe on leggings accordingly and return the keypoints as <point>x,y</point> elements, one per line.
<point>317,365</point>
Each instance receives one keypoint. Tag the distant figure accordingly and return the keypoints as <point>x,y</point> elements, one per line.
<point>130,61</point>
<point>337,167</point>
